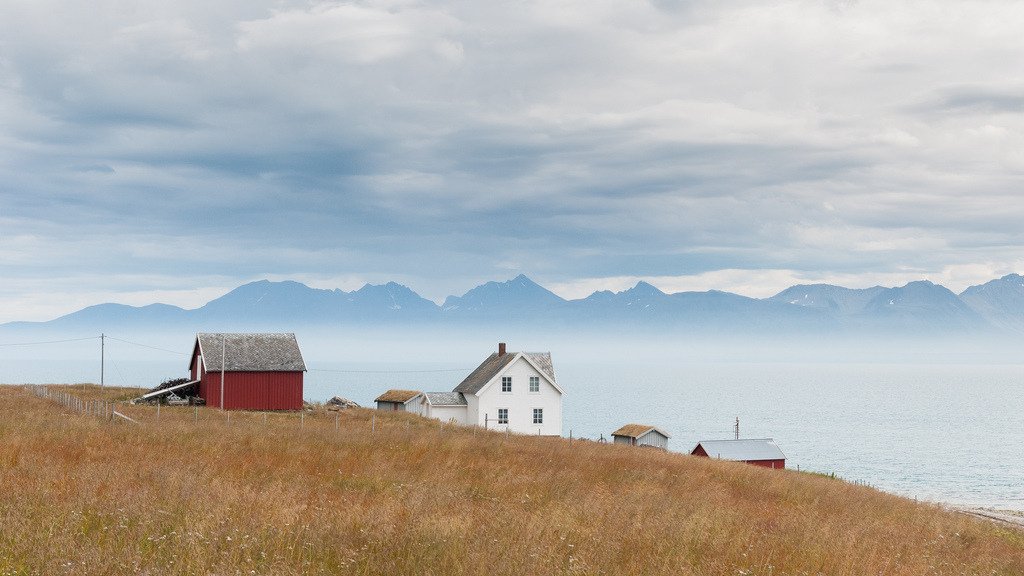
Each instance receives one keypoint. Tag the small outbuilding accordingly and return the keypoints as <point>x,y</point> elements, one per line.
<point>757,451</point>
<point>260,371</point>
<point>445,406</point>
<point>400,400</point>
<point>641,435</point>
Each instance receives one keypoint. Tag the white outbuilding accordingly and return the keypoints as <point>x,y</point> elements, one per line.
<point>444,406</point>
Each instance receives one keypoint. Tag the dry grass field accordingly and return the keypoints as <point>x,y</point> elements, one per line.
<point>197,493</point>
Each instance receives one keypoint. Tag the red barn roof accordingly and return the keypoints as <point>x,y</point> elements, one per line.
<point>249,352</point>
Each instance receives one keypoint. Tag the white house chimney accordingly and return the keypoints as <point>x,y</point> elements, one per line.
<point>501,348</point>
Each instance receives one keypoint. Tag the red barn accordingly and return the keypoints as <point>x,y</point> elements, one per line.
<point>756,451</point>
<point>261,371</point>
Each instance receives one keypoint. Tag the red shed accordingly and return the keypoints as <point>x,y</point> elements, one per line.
<point>756,451</point>
<point>261,371</point>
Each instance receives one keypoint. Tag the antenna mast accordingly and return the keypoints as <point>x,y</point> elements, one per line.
<point>223,348</point>
<point>737,428</point>
<point>103,345</point>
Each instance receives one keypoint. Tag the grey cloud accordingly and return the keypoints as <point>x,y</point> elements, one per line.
<point>453,141</point>
<point>978,100</point>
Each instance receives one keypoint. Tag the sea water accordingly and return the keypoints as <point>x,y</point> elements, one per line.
<point>945,433</point>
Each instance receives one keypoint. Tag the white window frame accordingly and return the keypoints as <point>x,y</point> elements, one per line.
<point>506,380</point>
<point>538,415</point>
<point>534,384</point>
<point>502,415</point>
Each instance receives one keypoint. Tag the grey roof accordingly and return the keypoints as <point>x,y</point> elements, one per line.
<point>494,364</point>
<point>745,449</point>
<point>543,361</point>
<point>250,352</point>
<point>445,398</point>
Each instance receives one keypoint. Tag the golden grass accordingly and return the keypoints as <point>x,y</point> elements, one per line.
<point>291,494</point>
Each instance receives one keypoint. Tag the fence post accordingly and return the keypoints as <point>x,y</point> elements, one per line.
<point>157,409</point>
<point>373,422</point>
<point>302,420</point>
<point>196,410</point>
<point>336,421</point>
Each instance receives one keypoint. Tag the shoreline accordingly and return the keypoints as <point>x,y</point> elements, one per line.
<point>1011,518</point>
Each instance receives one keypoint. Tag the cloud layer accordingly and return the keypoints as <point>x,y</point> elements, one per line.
<point>168,147</point>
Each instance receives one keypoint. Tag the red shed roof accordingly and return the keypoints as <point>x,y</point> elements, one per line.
<point>744,450</point>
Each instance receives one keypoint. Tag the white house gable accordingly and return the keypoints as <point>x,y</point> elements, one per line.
<point>520,397</point>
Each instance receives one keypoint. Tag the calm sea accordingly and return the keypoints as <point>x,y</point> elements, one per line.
<point>949,433</point>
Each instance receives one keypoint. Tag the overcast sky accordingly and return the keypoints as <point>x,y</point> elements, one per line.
<point>169,151</point>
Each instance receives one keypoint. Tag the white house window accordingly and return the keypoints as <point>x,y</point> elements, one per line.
<point>506,383</point>
<point>502,415</point>
<point>538,415</point>
<point>534,383</point>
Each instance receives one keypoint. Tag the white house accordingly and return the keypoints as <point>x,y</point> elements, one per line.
<point>513,391</point>
<point>641,435</point>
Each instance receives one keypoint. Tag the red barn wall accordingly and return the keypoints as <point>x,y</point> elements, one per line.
<point>253,390</point>
<point>768,463</point>
<point>776,464</point>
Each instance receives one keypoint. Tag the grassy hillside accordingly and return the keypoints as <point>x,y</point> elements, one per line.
<point>280,494</point>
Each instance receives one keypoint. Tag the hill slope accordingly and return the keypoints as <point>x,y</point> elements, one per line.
<point>318,495</point>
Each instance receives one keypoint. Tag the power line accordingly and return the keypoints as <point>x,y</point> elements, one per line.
<point>148,346</point>
<point>436,371</point>
<point>51,341</point>
<point>390,371</point>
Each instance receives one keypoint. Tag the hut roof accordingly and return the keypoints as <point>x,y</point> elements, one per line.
<point>402,396</point>
<point>250,352</point>
<point>746,449</point>
<point>638,430</point>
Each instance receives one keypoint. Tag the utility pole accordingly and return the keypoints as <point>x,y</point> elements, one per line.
<point>737,427</point>
<point>223,348</point>
<point>103,345</point>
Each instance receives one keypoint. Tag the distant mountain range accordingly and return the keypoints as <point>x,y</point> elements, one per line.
<point>918,307</point>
